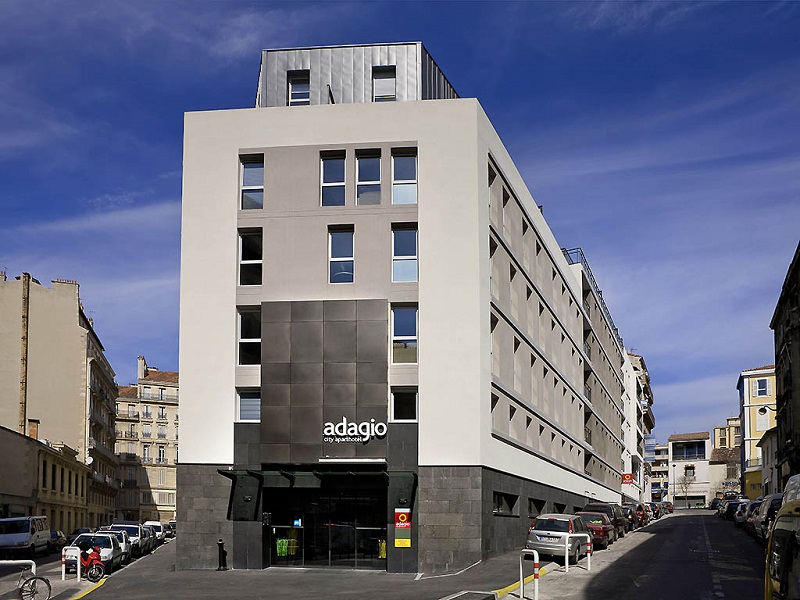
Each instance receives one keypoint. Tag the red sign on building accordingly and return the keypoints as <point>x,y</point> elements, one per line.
<point>627,478</point>
<point>402,518</point>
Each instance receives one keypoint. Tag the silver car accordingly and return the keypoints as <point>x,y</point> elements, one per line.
<point>547,535</point>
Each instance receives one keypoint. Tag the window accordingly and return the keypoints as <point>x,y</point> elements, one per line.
<point>688,471</point>
<point>44,474</point>
<point>368,169</point>
<point>162,455</point>
<point>146,430</point>
<point>162,412</point>
<point>299,92</point>
<point>404,334</point>
<point>332,193</point>
<point>404,405</point>
<point>132,411</point>
<point>504,504</point>
<point>404,176</point>
<point>147,413</point>
<point>250,405</point>
<point>249,337</point>
<point>340,255</point>
<point>761,387</point>
<point>252,195</point>
<point>383,84</point>
<point>250,257</point>
<point>404,253</point>
<point>146,453</point>
<point>162,431</point>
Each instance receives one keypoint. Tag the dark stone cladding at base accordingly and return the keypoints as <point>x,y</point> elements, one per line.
<point>202,513</point>
<point>457,524</point>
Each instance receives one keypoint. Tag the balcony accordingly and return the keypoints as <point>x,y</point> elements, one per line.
<point>689,456</point>
<point>128,457</point>
<point>127,435</point>
<point>587,435</point>
<point>587,391</point>
<point>127,415</point>
<point>162,436</point>
<point>147,415</point>
<point>146,460</point>
<point>754,463</point>
<point>162,461</point>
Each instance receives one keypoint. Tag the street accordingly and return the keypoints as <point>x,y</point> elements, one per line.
<point>690,555</point>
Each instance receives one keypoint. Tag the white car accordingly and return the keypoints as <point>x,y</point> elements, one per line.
<point>161,534</point>
<point>107,544</point>
<point>124,543</point>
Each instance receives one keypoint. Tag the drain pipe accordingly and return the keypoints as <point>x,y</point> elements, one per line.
<point>23,358</point>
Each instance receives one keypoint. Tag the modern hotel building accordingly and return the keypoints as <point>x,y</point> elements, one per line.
<point>387,360</point>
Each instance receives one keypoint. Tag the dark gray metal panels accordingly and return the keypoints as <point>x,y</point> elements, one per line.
<point>347,74</point>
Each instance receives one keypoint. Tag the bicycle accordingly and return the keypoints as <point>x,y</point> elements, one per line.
<point>33,588</point>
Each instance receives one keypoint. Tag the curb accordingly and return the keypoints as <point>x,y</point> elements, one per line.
<point>90,590</point>
<point>514,586</point>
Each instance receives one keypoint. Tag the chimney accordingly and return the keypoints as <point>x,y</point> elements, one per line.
<point>141,370</point>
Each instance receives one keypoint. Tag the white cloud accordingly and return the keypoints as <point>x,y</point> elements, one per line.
<point>630,16</point>
<point>121,221</point>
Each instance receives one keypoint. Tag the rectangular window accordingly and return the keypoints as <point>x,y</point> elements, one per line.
<point>132,411</point>
<point>162,412</point>
<point>249,337</point>
<point>404,176</point>
<point>404,334</point>
<point>252,195</point>
<point>383,84</point>
<point>162,431</point>
<point>688,471</point>
<point>504,504</point>
<point>332,167</point>
<point>340,255</point>
<point>146,453</point>
<point>44,474</point>
<point>404,405</point>
<point>762,387</point>
<point>368,171</point>
<point>147,413</point>
<point>251,257</point>
<point>250,405</point>
<point>146,430</point>
<point>299,92</point>
<point>404,253</point>
<point>162,455</point>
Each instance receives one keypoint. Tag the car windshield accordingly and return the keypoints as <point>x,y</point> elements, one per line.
<point>592,518</point>
<point>101,541</point>
<point>551,525</point>
<point>131,529</point>
<point>119,535</point>
<point>10,527</point>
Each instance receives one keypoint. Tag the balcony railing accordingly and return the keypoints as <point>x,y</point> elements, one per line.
<point>162,436</point>
<point>689,456</point>
<point>146,460</point>
<point>587,435</point>
<point>754,463</point>
<point>147,415</point>
<point>127,414</point>
<point>162,461</point>
<point>587,391</point>
<point>127,435</point>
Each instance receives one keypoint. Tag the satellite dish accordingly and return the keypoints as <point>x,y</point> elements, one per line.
<point>89,460</point>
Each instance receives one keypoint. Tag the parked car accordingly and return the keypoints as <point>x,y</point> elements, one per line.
<point>158,528</point>
<point>714,504</point>
<point>603,532</point>
<point>752,510</point>
<point>24,536</point>
<point>648,511</point>
<point>656,509</point>
<point>135,535</point>
<point>174,525</point>
<point>730,509</point>
<point>762,522</point>
<point>124,544</point>
<point>76,532</point>
<point>630,517</point>
<point>782,572</point>
<point>148,539</point>
<point>547,535</point>
<point>614,513</point>
<point>107,544</point>
<point>169,530</point>
<point>57,540</point>
<point>670,507</point>
<point>740,514</point>
<point>641,513</point>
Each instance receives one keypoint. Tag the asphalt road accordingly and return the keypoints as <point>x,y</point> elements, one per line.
<point>691,555</point>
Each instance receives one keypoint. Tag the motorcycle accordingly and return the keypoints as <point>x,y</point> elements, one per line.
<point>91,564</point>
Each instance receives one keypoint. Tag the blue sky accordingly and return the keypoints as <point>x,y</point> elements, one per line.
<point>662,138</point>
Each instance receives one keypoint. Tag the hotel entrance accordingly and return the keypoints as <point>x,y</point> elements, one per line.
<point>340,524</point>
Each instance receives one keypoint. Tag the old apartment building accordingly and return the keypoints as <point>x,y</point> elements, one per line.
<point>60,388</point>
<point>387,359</point>
<point>147,445</point>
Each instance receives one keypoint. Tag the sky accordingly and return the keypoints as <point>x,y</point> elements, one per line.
<point>662,138</point>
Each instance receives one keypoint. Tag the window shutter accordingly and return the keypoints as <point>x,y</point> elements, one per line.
<point>769,387</point>
<point>754,387</point>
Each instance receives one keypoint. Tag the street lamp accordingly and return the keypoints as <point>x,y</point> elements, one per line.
<point>672,485</point>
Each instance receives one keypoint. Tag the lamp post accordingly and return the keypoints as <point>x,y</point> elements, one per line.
<point>672,485</point>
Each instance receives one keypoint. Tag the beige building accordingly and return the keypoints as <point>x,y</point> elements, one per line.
<point>756,389</point>
<point>61,387</point>
<point>659,475</point>
<point>147,445</point>
<point>728,435</point>
<point>690,475</point>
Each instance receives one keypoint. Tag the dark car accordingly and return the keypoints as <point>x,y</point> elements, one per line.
<point>656,509</point>
<point>714,504</point>
<point>641,513</point>
<point>603,532</point>
<point>731,508</point>
<point>614,513</point>
<point>57,540</point>
<point>670,508</point>
<point>71,537</point>
<point>630,516</point>
<point>765,516</point>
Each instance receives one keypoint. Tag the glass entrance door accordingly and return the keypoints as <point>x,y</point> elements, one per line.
<point>318,527</point>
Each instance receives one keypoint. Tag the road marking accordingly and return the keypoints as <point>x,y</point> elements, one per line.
<point>713,563</point>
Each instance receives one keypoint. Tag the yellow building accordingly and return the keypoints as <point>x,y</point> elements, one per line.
<point>757,415</point>
<point>728,435</point>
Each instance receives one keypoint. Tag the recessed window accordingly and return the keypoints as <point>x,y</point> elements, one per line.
<point>404,405</point>
<point>299,91</point>
<point>332,193</point>
<point>505,504</point>
<point>404,254</point>
<point>252,194</point>
<point>341,265</point>
<point>249,337</point>
<point>762,387</point>
<point>383,84</point>
<point>147,430</point>
<point>250,257</point>
<point>249,405</point>
<point>368,170</point>
<point>404,177</point>
<point>404,334</point>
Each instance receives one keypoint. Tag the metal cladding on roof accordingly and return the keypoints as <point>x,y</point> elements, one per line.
<point>689,437</point>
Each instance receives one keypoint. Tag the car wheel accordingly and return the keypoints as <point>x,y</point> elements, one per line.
<point>575,556</point>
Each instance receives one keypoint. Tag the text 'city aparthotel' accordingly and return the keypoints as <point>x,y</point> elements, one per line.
<point>387,361</point>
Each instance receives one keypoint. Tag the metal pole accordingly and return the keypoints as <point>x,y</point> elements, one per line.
<point>522,556</point>
<point>28,563</point>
